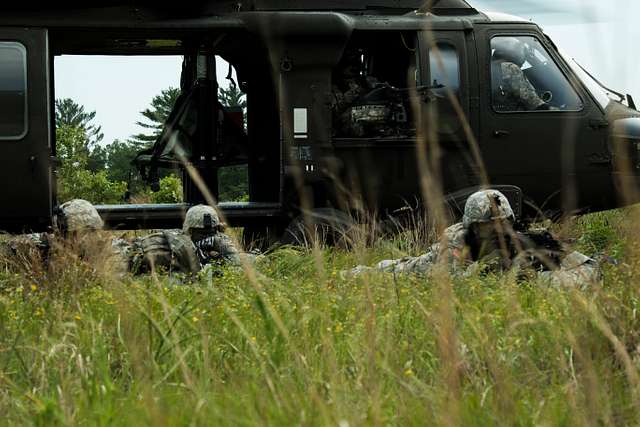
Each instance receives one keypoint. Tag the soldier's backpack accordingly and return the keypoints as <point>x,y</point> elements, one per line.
<point>166,251</point>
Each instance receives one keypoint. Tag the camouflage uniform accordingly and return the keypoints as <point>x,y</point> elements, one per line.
<point>346,92</point>
<point>202,224</point>
<point>121,256</point>
<point>345,96</point>
<point>168,250</point>
<point>78,220</point>
<point>515,92</point>
<point>343,99</point>
<point>75,219</point>
<point>512,89</point>
<point>575,268</point>
<point>487,206</point>
<point>201,242</point>
<point>451,249</point>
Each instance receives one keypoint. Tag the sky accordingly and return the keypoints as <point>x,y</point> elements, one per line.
<point>118,88</point>
<point>599,34</point>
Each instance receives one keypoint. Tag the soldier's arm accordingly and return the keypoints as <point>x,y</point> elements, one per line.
<point>227,249</point>
<point>520,85</point>
<point>416,265</point>
<point>386,266</point>
<point>391,265</point>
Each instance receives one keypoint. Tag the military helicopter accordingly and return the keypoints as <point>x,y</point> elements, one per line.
<point>337,95</point>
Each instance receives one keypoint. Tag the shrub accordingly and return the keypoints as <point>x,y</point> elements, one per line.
<point>170,190</point>
<point>92,186</point>
<point>75,180</point>
<point>600,233</point>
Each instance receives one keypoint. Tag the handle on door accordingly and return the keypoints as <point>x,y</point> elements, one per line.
<point>500,133</point>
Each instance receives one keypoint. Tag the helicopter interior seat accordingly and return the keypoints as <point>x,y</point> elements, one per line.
<point>233,137</point>
<point>175,142</point>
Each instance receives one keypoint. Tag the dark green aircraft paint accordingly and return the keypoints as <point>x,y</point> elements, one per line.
<point>336,91</point>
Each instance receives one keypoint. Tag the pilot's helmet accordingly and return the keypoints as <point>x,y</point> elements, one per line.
<point>509,49</point>
<point>79,215</point>
<point>486,206</point>
<point>202,218</point>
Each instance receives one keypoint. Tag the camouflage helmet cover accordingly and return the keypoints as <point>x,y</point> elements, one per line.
<point>78,214</point>
<point>485,206</point>
<point>201,217</point>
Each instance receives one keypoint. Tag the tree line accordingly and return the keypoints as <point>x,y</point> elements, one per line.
<point>103,173</point>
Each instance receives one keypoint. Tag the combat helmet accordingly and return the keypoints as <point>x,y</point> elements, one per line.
<point>201,217</point>
<point>486,206</point>
<point>509,49</point>
<point>79,215</point>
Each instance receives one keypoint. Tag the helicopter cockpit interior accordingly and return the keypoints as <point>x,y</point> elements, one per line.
<point>372,85</point>
<point>526,78</point>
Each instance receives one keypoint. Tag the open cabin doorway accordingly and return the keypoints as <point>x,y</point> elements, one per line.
<point>198,105</point>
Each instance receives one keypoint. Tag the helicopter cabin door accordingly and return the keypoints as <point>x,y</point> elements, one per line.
<point>26,197</point>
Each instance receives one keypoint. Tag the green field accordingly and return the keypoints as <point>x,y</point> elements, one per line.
<point>293,343</point>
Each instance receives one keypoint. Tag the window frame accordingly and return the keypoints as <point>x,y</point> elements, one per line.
<point>465,49</point>
<point>555,60</point>
<point>455,50</point>
<point>23,49</point>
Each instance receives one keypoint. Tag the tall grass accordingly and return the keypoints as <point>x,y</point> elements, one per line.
<point>292,342</point>
<point>312,348</point>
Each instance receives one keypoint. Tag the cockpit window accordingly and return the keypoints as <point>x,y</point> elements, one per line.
<point>13,90</point>
<point>444,66</point>
<point>601,94</point>
<point>525,78</point>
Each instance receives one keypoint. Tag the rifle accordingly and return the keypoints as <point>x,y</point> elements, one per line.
<point>539,250</point>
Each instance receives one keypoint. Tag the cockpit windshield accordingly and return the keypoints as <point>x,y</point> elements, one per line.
<point>526,78</point>
<point>603,95</point>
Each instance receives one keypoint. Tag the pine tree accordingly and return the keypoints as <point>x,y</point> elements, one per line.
<point>232,97</point>
<point>71,114</point>
<point>156,115</point>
